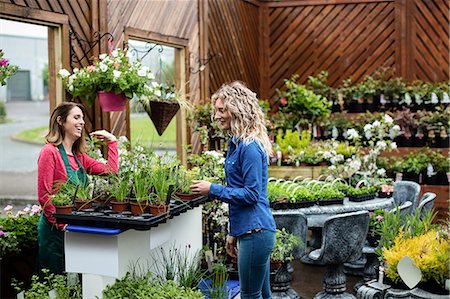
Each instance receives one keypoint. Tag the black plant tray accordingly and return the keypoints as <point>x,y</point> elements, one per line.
<point>104,217</point>
<point>363,197</point>
<point>333,201</point>
<point>292,205</point>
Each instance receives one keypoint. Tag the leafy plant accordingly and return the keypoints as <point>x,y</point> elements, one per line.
<point>306,106</point>
<point>285,243</point>
<point>113,72</point>
<point>429,250</point>
<point>276,192</point>
<point>303,194</point>
<point>361,191</point>
<point>59,283</point>
<point>120,188</point>
<point>185,178</point>
<point>393,223</point>
<point>6,69</point>
<point>135,286</point>
<point>218,280</point>
<point>18,231</point>
<point>329,193</point>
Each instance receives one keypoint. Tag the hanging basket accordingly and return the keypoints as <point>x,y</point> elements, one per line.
<point>110,101</point>
<point>161,114</point>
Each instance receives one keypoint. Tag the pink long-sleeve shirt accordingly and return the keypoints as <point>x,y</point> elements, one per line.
<point>51,169</point>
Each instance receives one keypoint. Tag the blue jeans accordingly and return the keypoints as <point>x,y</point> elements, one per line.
<point>254,264</point>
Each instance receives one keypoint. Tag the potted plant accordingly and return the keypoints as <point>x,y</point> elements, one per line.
<point>416,236</point>
<point>113,78</point>
<point>161,102</point>
<point>285,243</point>
<point>141,187</point>
<point>83,199</point>
<point>120,190</point>
<point>162,187</point>
<point>307,107</point>
<point>185,178</point>
<point>62,200</point>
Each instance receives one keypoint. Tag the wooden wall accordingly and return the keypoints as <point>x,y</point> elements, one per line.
<point>346,37</point>
<point>233,30</point>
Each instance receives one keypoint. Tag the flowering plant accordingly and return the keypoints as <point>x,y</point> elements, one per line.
<point>18,231</point>
<point>6,70</point>
<point>209,165</point>
<point>113,72</point>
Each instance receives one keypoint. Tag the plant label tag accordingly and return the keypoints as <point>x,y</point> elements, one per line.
<point>52,294</point>
<point>209,258</point>
<point>21,295</point>
<point>409,272</point>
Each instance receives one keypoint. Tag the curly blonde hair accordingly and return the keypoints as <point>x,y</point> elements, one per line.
<point>247,118</point>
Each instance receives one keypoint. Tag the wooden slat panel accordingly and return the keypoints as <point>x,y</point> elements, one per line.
<point>431,46</point>
<point>233,32</point>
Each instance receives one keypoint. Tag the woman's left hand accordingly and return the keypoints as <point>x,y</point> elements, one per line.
<point>103,134</point>
<point>200,187</point>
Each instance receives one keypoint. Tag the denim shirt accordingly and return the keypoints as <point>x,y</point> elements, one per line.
<point>246,171</point>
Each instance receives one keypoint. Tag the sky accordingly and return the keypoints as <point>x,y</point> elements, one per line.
<point>22,29</point>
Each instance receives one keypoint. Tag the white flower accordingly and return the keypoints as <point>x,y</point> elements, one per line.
<point>142,72</point>
<point>214,154</point>
<point>434,98</point>
<point>381,172</point>
<point>115,53</point>
<point>76,70</point>
<point>116,74</point>
<point>157,92</point>
<point>408,99</point>
<point>103,67</point>
<point>150,76</point>
<point>368,134</point>
<point>376,123</point>
<point>155,84</point>
<point>221,161</point>
<point>102,56</point>
<point>388,119</point>
<point>381,145</point>
<point>70,87</point>
<point>355,164</point>
<point>367,127</point>
<point>393,145</point>
<point>8,208</point>
<point>64,73</point>
<point>352,134</point>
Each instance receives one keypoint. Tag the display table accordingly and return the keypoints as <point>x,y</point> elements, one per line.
<point>102,254</point>
<point>317,215</point>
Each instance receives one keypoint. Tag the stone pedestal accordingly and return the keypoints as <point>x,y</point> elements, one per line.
<point>281,286</point>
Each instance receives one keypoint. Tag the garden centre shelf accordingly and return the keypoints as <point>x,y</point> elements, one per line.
<point>102,216</point>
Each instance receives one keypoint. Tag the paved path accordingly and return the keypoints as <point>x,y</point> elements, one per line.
<point>18,160</point>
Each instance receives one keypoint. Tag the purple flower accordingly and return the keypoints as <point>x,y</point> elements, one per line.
<point>379,218</point>
<point>8,208</point>
<point>4,62</point>
<point>1,233</point>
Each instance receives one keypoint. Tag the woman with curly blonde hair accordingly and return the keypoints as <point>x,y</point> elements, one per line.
<point>252,227</point>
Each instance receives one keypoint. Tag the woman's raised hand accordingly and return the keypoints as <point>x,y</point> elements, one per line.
<point>103,134</point>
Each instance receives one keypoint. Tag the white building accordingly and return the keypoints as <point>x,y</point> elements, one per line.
<point>26,46</point>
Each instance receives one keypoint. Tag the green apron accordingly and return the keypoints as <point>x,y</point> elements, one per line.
<point>50,238</point>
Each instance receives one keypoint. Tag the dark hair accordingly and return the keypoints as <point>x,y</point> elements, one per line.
<point>56,132</point>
